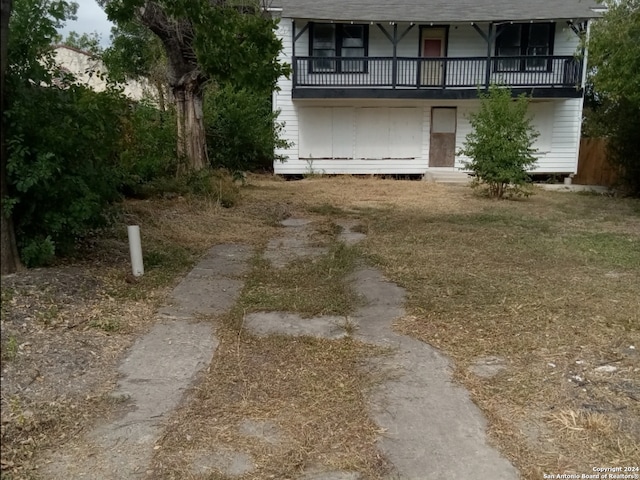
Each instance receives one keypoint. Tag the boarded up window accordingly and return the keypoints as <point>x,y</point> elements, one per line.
<point>363,133</point>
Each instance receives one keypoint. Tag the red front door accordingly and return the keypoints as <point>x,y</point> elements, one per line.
<point>432,47</point>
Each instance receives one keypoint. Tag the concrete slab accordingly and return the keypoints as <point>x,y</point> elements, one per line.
<point>202,295</point>
<point>561,187</point>
<point>158,369</point>
<point>447,176</point>
<point>226,461</point>
<point>295,242</point>
<point>264,430</point>
<point>292,324</point>
<point>229,260</point>
<point>433,429</point>
<point>211,288</point>
<point>348,235</point>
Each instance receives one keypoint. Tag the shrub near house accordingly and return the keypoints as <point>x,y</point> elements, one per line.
<point>501,143</point>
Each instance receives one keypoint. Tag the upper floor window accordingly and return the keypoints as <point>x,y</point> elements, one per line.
<point>338,40</point>
<point>525,39</point>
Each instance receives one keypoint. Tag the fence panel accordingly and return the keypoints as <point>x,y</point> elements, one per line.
<point>593,166</point>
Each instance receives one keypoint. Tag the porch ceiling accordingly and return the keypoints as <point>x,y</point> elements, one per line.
<point>444,11</point>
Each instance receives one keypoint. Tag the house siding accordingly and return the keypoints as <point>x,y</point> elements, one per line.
<point>282,101</point>
<point>91,72</point>
<point>463,41</point>
<point>558,120</point>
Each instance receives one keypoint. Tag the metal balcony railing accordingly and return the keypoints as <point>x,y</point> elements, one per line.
<point>433,73</point>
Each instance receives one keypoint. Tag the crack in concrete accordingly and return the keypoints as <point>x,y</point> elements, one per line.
<point>159,368</point>
<point>432,428</point>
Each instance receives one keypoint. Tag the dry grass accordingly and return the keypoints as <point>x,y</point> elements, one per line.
<point>64,329</point>
<point>311,288</point>
<point>549,283</point>
<point>312,390</point>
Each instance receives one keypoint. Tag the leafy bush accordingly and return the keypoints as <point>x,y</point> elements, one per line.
<point>614,56</point>
<point>63,139</point>
<point>62,167</point>
<point>624,143</point>
<point>148,149</point>
<point>500,145</point>
<point>242,130</point>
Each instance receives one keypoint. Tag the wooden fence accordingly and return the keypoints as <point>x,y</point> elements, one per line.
<point>593,167</point>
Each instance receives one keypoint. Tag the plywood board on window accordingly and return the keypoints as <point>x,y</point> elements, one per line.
<point>342,132</point>
<point>316,132</point>
<point>405,132</point>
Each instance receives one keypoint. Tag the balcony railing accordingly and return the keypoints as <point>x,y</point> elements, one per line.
<point>436,73</point>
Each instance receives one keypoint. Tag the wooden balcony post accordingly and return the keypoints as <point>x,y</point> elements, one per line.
<point>487,74</point>
<point>294,64</point>
<point>394,67</point>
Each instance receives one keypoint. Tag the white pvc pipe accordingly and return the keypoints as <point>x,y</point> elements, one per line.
<point>135,248</point>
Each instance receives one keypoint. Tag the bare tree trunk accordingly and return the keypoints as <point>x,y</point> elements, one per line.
<point>192,144</point>
<point>10,261</point>
<point>186,81</point>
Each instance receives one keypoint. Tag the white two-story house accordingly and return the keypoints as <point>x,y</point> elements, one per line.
<point>386,86</point>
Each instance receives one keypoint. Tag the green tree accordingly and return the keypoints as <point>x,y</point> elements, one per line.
<point>501,143</point>
<point>242,129</point>
<point>88,42</point>
<point>206,41</point>
<point>614,56</point>
<point>25,55</point>
<point>63,139</point>
<point>136,53</point>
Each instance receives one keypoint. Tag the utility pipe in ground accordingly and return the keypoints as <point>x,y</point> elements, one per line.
<point>135,248</point>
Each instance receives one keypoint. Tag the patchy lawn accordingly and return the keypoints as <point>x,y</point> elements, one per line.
<point>546,290</point>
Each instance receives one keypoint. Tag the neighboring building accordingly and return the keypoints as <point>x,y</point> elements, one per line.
<point>90,71</point>
<point>386,86</point>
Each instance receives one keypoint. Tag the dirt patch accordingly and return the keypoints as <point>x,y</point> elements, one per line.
<point>62,337</point>
<point>66,328</point>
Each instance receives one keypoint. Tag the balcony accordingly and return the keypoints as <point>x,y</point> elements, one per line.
<point>444,78</point>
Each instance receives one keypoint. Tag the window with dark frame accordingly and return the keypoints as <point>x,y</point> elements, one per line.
<point>525,39</point>
<point>338,40</point>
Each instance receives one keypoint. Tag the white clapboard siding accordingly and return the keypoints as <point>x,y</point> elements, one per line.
<point>346,136</point>
<point>282,101</point>
<point>463,40</point>
<point>566,42</point>
<point>563,157</point>
<point>558,122</point>
<point>351,167</point>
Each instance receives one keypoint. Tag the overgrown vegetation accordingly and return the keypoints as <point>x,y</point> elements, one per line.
<point>73,153</point>
<point>501,144</point>
<point>242,130</point>
<point>205,42</point>
<point>62,140</point>
<point>549,285</point>
<point>148,145</point>
<point>614,100</point>
<point>62,166</point>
